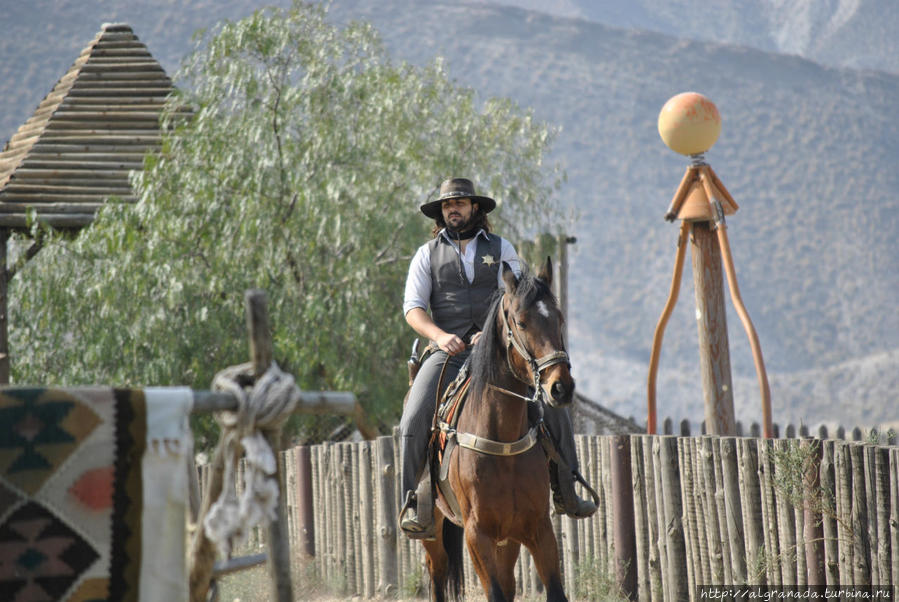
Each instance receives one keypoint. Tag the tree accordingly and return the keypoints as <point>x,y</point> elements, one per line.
<point>299,171</point>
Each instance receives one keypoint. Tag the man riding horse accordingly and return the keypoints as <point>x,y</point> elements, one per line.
<point>455,274</point>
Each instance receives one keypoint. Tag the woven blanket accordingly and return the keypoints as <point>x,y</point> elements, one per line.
<point>93,492</point>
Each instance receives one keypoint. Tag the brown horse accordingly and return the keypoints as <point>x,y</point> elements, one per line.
<point>497,474</point>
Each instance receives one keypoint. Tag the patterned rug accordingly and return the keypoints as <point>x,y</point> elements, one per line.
<point>73,492</point>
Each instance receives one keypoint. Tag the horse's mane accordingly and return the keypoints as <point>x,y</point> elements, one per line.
<point>488,356</point>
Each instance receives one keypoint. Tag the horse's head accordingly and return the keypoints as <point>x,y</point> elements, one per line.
<point>532,326</point>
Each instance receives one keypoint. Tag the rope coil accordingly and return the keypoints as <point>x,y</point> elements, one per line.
<point>261,410</point>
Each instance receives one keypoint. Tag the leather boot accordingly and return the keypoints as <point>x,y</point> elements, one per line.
<point>411,524</point>
<point>565,498</point>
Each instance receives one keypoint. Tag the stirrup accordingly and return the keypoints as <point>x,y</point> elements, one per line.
<point>575,507</point>
<point>409,521</point>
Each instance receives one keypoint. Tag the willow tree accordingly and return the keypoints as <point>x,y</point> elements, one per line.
<point>299,172</point>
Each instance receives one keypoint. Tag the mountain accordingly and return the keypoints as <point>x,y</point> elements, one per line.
<point>840,33</point>
<point>807,150</point>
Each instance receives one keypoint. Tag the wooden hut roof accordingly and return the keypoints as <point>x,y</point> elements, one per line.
<point>88,133</point>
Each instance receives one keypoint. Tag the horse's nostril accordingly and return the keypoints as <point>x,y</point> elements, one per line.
<point>558,390</point>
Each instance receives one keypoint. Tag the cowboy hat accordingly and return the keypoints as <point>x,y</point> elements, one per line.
<point>457,188</point>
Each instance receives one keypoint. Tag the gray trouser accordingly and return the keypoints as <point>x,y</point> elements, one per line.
<point>415,425</point>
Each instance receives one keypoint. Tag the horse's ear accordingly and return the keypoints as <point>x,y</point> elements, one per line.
<point>546,271</point>
<point>509,278</point>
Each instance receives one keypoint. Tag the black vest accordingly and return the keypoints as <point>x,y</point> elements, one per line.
<point>459,306</point>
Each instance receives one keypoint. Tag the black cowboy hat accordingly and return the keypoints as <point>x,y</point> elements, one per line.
<point>457,188</point>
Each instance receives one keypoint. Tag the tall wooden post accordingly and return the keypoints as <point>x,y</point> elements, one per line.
<point>261,356</point>
<point>711,322</point>
<point>561,280</point>
<point>4,308</point>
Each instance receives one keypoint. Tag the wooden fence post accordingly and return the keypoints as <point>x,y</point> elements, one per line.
<point>769,511</point>
<point>385,484</point>
<point>882,504</point>
<point>894,514</point>
<point>828,514</point>
<point>843,481</point>
<point>786,520</point>
<point>720,497</point>
<point>261,351</point>
<point>861,569</point>
<point>623,510</point>
<point>661,529</point>
<point>640,505</point>
<point>751,501</point>
<point>715,543</point>
<point>653,510</point>
<point>733,508</point>
<point>305,511</point>
<point>673,512</point>
<point>813,532</point>
<point>366,519</point>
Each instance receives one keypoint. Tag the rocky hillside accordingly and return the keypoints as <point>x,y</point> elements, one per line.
<point>845,33</point>
<point>808,151</point>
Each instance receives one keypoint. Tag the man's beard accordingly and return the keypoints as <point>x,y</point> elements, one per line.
<point>463,225</point>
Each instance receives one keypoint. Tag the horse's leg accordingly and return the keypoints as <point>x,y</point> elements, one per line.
<point>506,557</point>
<point>545,553</point>
<point>437,560</point>
<point>483,556</point>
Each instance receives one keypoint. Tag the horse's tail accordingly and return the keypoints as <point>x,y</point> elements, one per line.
<point>452,544</point>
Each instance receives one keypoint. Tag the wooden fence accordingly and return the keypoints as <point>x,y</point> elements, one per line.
<point>675,513</point>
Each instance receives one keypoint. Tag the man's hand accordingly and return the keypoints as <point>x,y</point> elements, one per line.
<point>450,343</point>
<point>475,338</point>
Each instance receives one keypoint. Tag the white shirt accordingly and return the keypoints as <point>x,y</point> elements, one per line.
<point>418,282</point>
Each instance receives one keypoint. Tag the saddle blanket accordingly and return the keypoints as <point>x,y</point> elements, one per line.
<point>93,493</point>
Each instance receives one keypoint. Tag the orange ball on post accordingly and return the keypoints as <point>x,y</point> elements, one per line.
<point>689,123</point>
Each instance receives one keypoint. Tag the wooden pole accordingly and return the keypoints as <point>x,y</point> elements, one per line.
<point>733,508</point>
<point>305,509</point>
<point>711,321</point>
<point>813,533</point>
<point>562,279</point>
<point>673,511</point>
<point>4,307</point>
<point>786,519</point>
<point>695,545</point>
<point>653,562</point>
<point>623,510</point>
<point>261,356</point>
<point>641,530</point>
<point>387,550</point>
<point>716,544</point>
<point>655,444</point>
<point>894,514</point>
<point>751,501</point>
<point>828,514</point>
<point>882,488</point>
<point>861,544</point>
<point>769,511</point>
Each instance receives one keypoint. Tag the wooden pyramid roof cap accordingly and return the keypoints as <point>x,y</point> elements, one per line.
<point>86,136</point>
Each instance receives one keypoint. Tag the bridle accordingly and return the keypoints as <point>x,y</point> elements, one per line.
<point>536,432</point>
<point>538,365</point>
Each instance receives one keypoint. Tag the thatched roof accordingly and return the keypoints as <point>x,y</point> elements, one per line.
<point>88,133</point>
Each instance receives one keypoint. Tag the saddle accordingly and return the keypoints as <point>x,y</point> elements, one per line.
<point>441,445</point>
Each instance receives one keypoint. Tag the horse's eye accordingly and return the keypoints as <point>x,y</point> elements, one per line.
<point>521,324</point>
